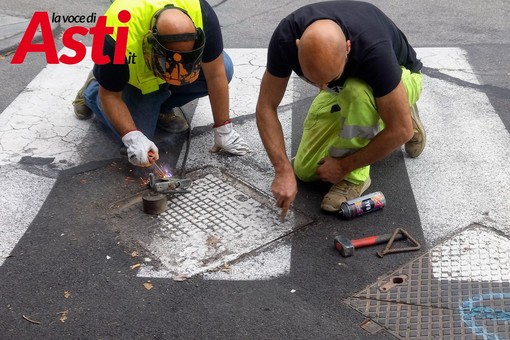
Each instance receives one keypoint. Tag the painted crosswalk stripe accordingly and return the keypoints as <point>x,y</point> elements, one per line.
<point>462,176</point>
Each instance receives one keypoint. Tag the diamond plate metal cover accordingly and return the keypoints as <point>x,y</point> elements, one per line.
<point>458,290</point>
<point>220,220</point>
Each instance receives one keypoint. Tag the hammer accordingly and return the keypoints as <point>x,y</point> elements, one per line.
<point>346,246</point>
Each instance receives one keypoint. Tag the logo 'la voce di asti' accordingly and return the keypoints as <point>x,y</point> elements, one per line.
<point>41,20</point>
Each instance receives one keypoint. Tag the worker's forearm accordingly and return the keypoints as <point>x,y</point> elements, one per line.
<point>217,88</point>
<point>219,99</point>
<point>116,111</point>
<point>271,93</point>
<point>272,137</point>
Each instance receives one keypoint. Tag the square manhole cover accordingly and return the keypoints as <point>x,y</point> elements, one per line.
<point>458,290</point>
<point>220,220</point>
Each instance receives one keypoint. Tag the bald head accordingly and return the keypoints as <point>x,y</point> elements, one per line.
<point>174,21</point>
<point>322,51</point>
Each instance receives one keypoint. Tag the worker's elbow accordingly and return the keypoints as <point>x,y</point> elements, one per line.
<point>259,118</point>
<point>263,111</point>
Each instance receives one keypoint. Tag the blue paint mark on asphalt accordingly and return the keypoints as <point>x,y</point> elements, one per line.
<point>472,310</point>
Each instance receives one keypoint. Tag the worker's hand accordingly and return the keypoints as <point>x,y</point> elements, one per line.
<point>284,189</point>
<point>140,149</point>
<point>331,170</point>
<point>226,138</point>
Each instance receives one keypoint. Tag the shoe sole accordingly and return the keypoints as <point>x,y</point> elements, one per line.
<point>421,130</point>
<point>160,126</point>
<point>79,97</point>
<point>83,117</point>
<point>186,127</point>
<point>330,209</point>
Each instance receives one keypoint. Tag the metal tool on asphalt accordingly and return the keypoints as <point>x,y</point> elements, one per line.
<point>164,184</point>
<point>347,246</point>
<point>389,249</point>
<point>154,203</point>
<point>362,205</point>
<point>168,185</point>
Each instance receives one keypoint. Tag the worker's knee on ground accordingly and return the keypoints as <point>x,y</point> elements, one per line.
<point>359,175</point>
<point>304,173</point>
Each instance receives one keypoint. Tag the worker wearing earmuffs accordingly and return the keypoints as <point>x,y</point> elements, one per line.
<point>174,55</point>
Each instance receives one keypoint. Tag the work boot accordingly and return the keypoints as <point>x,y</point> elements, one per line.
<point>342,192</point>
<point>173,121</point>
<point>415,145</point>
<point>81,110</point>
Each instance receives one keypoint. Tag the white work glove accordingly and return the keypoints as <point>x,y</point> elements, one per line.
<point>139,148</point>
<point>226,138</point>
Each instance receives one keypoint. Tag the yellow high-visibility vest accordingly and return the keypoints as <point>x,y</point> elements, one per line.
<point>142,12</point>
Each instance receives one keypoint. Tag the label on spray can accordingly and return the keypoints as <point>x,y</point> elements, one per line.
<point>362,205</point>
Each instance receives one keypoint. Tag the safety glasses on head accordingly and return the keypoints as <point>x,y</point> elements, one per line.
<point>175,67</point>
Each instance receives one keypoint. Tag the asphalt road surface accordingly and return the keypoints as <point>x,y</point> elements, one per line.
<point>78,261</point>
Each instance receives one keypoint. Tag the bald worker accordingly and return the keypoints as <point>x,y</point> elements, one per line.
<point>174,55</point>
<point>369,79</point>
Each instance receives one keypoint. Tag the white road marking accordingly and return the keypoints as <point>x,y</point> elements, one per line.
<point>40,122</point>
<point>23,194</point>
<point>462,177</point>
<point>249,66</point>
<point>473,255</point>
<point>268,264</point>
